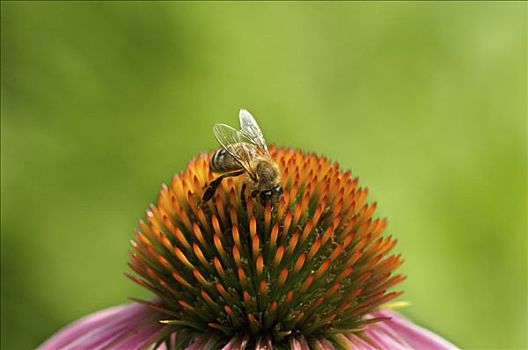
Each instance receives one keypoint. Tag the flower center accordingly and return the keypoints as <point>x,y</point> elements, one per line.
<point>316,263</point>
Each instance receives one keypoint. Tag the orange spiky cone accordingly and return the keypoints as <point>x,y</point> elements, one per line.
<point>314,265</point>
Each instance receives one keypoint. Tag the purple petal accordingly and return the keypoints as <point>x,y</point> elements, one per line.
<point>264,344</point>
<point>208,340</point>
<point>322,344</point>
<point>130,326</point>
<point>299,343</point>
<point>399,333</point>
<point>356,343</point>
<point>236,343</point>
<point>171,340</point>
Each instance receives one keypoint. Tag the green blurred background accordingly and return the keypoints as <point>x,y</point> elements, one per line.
<point>426,102</point>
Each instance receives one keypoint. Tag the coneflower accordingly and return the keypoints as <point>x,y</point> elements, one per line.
<point>312,272</point>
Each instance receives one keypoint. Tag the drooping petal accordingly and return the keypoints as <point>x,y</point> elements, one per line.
<point>207,340</point>
<point>352,341</point>
<point>236,343</point>
<point>299,343</point>
<point>410,335</point>
<point>396,333</point>
<point>264,344</point>
<point>132,326</point>
<point>322,344</point>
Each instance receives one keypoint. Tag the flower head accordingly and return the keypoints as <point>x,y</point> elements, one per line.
<point>315,265</point>
<point>310,272</point>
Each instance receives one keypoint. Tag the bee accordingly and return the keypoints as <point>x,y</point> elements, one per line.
<point>244,152</point>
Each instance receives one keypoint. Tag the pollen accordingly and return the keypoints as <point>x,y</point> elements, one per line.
<point>315,263</point>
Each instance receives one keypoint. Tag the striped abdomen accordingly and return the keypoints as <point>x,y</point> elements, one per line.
<point>223,162</point>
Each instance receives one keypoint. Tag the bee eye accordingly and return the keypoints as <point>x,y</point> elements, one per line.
<point>265,196</point>
<point>271,195</point>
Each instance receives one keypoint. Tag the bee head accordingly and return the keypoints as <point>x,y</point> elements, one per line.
<point>272,195</point>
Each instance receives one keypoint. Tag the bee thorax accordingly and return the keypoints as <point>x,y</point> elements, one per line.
<point>268,175</point>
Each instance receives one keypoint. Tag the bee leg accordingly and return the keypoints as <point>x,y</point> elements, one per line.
<point>213,185</point>
<point>211,188</point>
<point>243,195</point>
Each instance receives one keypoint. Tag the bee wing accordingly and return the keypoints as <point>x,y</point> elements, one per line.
<point>251,131</point>
<point>228,137</point>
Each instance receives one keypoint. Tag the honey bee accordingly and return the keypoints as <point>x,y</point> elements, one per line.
<point>244,152</point>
